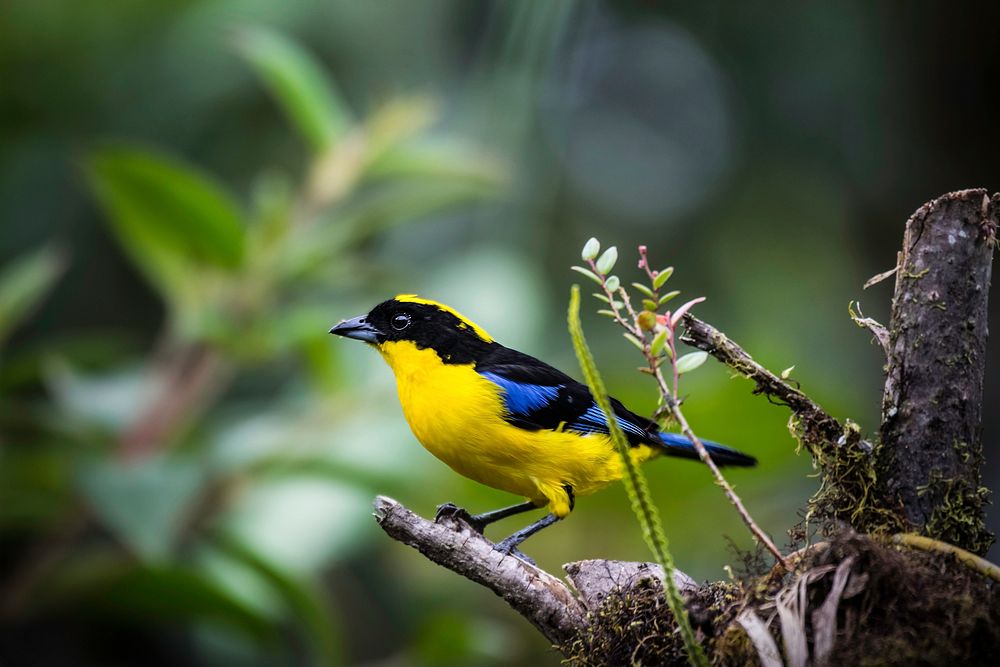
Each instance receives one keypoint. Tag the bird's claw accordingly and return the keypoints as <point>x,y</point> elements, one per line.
<point>453,511</point>
<point>512,550</point>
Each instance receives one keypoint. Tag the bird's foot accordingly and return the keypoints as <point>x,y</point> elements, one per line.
<point>511,550</point>
<point>453,511</point>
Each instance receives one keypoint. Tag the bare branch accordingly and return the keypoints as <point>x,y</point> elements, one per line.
<point>727,488</point>
<point>596,580</point>
<point>535,594</point>
<point>546,601</point>
<point>817,427</point>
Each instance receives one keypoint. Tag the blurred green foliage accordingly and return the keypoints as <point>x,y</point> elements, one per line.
<point>192,193</point>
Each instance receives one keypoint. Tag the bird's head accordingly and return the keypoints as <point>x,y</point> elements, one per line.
<point>420,323</point>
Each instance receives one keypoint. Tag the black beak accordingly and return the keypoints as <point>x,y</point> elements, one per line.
<point>358,329</point>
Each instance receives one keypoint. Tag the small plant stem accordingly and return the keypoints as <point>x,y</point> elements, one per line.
<point>622,322</point>
<point>193,376</point>
<point>636,487</point>
<point>706,458</point>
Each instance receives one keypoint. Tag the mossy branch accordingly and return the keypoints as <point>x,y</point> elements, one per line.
<point>967,558</point>
<point>635,485</point>
<point>817,428</point>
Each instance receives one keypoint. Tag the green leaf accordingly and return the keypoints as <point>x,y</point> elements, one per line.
<point>167,215</point>
<point>668,296</point>
<point>662,277</point>
<point>590,249</point>
<point>642,288</point>
<point>24,283</point>
<point>601,297</point>
<point>612,283</point>
<point>632,339</point>
<point>649,305</point>
<point>607,261</point>
<point>297,82</point>
<point>659,341</point>
<point>145,503</point>
<point>164,593</point>
<point>691,361</point>
<point>607,313</point>
<point>590,274</point>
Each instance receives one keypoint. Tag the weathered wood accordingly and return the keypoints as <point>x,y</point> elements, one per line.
<point>596,579</point>
<point>544,600</point>
<point>928,468</point>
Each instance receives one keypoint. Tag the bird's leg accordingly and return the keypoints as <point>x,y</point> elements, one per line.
<point>509,545</point>
<point>478,522</point>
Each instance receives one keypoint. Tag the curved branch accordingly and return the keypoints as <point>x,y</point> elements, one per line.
<point>535,594</point>
<point>546,601</point>
<point>817,426</point>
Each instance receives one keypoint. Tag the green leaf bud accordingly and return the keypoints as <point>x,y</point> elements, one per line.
<point>607,261</point>
<point>662,277</point>
<point>691,361</point>
<point>587,272</point>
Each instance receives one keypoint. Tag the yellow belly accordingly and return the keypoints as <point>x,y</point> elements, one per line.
<point>457,415</point>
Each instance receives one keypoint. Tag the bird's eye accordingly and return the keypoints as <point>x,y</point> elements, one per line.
<point>400,321</point>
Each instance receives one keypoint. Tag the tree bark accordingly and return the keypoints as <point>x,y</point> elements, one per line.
<point>546,601</point>
<point>928,466</point>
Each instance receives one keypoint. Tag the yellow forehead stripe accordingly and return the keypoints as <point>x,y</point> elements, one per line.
<point>413,298</point>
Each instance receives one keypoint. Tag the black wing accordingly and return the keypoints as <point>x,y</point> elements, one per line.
<point>538,396</point>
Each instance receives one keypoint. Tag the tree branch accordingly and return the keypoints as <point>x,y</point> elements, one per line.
<point>546,601</point>
<point>535,594</point>
<point>816,426</point>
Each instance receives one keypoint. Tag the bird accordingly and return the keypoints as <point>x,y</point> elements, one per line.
<point>504,418</point>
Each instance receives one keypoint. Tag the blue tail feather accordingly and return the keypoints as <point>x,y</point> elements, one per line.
<point>677,444</point>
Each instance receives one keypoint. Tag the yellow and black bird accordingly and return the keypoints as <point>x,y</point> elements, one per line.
<point>504,418</point>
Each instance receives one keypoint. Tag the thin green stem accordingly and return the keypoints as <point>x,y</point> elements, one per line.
<point>635,486</point>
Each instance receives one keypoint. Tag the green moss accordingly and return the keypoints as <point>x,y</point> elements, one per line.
<point>636,627</point>
<point>958,516</point>
<point>899,607</point>
<point>847,491</point>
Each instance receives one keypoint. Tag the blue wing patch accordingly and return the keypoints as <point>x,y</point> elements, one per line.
<point>522,398</point>
<point>593,421</point>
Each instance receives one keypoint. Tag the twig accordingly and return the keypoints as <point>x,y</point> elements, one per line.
<point>876,328</point>
<point>535,594</point>
<point>635,484</point>
<point>191,377</point>
<point>706,458</point>
<point>670,393</point>
<point>818,427</point>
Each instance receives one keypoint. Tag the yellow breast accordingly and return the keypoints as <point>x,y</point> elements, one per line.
<point>458,416</point>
